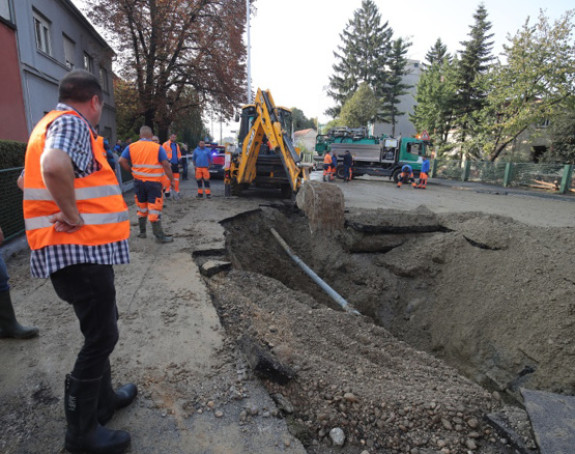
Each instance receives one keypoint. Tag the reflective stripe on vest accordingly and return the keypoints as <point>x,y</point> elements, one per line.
<point>81,193</point>
<point>89,219</point>
<point>144,156</point>
<point>98,198</point>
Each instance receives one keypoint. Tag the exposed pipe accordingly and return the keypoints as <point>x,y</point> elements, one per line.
<point>318,280</point>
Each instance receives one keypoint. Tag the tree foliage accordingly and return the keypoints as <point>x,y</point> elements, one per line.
<point>474,63</point>
<point>396,88</point>
<point>300,121</point>
<point>436,92</point>
<point>537,83</point>
<point>362,57</point>
<point>168,46</point>
<point>360,109</point>
<point>437,54</point>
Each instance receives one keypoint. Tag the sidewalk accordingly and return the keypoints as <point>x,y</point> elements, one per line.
<point>493,189</point>
<point>196,395</point>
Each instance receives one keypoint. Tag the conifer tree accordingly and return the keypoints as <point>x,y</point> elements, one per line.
<point>474,62</point>
<point>396,88</point>
<point>437,54</point>
<point>363,56</point>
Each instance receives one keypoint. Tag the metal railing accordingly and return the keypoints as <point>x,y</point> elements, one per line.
<point>557,178</point>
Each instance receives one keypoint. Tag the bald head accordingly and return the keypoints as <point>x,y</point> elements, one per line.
<point>146,132</point>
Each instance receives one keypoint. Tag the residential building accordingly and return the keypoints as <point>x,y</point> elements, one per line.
<point>52,37</point>
<point>12,114</point>
<point>404,127</point>
<point>305,139</point>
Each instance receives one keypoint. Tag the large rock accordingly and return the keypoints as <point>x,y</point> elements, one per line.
<point>323,204</point>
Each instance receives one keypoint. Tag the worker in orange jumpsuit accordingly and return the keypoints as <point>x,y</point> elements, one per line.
<point>405,176</point>
<point>423,174</point>
<point>148,163</point>
<point>174,157</point>
<point>328,174</point>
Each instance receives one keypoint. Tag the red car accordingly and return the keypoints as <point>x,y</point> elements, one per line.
<point>216,169</point>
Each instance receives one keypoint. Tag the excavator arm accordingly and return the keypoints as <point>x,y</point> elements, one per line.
<point>263,120</point>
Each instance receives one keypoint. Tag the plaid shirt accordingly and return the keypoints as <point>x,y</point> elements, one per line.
<point>70,134</point>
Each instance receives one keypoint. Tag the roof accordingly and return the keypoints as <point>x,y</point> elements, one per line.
<point>303,132</point>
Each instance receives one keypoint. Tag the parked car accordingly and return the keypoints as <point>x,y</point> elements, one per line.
<point>218,158</point>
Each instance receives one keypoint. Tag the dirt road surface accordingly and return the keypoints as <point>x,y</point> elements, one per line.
<point>179,333</point>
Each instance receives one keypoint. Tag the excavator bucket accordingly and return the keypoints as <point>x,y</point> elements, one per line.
<point>323,204</point>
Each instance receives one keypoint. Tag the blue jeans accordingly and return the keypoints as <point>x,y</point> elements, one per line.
<point>4,286</point>
<point>90,289</point>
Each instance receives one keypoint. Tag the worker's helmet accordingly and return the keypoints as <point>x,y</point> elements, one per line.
<point>405,168</point>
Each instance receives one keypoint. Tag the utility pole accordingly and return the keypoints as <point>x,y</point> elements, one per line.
<point>249,52</point>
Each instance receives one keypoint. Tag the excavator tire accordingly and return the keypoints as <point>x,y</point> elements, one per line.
<point>236,187</point>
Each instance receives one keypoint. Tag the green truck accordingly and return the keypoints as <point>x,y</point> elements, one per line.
<point>379,156</point>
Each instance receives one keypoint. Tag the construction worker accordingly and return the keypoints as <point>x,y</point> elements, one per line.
<point>347,166</point>
<point>327,165</point>
<point>174,157</point>
<point>405,176</point>
<point>77,227</point>
<point>202,158</point>
<point>9,326</point>
<point>423,174</point>
<point>148,163</point>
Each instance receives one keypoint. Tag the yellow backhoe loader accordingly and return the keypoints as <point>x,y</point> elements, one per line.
<point>266,156</point>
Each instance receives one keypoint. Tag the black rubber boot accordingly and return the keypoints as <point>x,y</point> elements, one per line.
<point>9,326</point>
<point>142,224</point>
<point>109,400</point>
<point>161,237</point>
<point>84,434</point>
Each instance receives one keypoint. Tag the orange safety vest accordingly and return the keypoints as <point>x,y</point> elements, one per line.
<point>145,164</point>
<point>167,146</point>
<point>98,197</point>
<point>327,159</point>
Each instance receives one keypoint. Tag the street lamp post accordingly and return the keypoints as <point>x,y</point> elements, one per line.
<point>249,52</point>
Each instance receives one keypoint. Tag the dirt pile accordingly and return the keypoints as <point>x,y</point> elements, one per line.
<point>484,293</point>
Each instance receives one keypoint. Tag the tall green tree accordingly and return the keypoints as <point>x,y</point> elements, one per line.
<point>437,54</point>
<point>360,109</point>
<point>396,88</point>
<point>300,121</point>
<point>475,60</point>
<point>434,111</point>
<point>362,57</point>
<point>535,85</point>
<point>166,46</point>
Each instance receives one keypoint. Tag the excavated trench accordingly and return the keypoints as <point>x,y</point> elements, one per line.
<point>433,281</point>
<point>465,288</point>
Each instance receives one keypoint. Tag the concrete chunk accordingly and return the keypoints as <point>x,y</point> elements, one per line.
<point>553,420</point>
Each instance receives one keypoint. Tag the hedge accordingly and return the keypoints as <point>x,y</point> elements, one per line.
<point>12,154</point>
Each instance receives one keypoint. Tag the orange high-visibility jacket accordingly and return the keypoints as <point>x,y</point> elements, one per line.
<point>98,197</point>
<point>145,164</point>
<point>327,159</point>
<point>168,147</point>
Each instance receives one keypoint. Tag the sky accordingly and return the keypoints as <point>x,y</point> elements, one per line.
<point>292,41</point>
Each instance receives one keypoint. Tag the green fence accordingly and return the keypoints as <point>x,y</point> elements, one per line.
<point>552,177</point>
